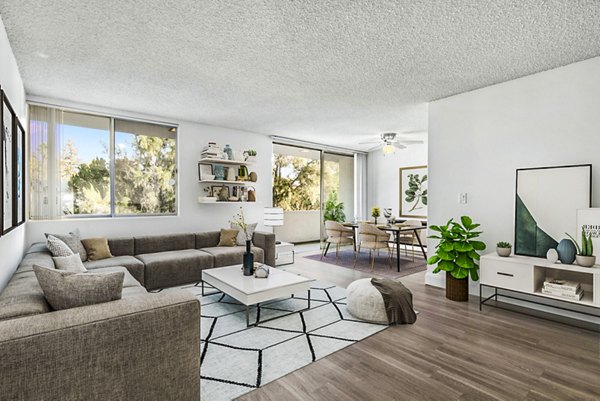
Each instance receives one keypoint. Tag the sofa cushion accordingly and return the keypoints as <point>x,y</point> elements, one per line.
<point>37,247</point>
<point>228,237</point>
<point>97,248</point>
<point>227,256</point>
<point>35,258</point>
<point>241,236</point>
<point>133,265</point>
<point>207,239</point>
<point>22,296</point>
<point>166,269</point>
<point>128,279</point>
<point>164,243</point>
<point>66,290</point>
<point>122,246</point>
<point>73,241</point>
<point>58,247</point>
<point>71,263</point>
<point>133,291</point>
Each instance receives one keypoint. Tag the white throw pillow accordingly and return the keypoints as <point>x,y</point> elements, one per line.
<point>70,263</point>
<point>58,247</point>
<point>241,237</point>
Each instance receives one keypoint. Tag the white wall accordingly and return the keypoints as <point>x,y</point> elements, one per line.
<point>193,217</point>
<point>12,244</point>
<point>299,226</point>
<point>478,139</point>
<point>384,175</point>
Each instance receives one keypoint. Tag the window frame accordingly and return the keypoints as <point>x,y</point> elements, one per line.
<point>112,164</point>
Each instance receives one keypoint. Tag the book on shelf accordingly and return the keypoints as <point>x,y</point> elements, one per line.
<point>563,285</point>
<point>561,294</point>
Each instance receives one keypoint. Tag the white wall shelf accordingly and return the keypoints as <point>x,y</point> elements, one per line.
<point>225,202</point>
<point>225,161</point>
<point>241,183</point>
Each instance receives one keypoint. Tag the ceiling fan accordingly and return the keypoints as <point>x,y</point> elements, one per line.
<point>390,141</point>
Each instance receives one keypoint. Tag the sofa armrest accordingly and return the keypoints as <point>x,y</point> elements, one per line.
<point>266,241</point>
<point>145,347</point>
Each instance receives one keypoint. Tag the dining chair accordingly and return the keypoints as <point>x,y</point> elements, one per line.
<point>409,237</point>
<point>339,235</point>
<point>373,239</point>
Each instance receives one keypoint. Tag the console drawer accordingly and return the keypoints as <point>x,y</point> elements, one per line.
<point>512,276</point>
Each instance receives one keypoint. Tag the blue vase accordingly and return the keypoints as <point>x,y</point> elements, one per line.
<point>229,152</point>
<point>219,172</point>
<point>566,251</point>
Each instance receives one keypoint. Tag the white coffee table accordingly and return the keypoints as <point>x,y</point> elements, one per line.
<point>252,291</point>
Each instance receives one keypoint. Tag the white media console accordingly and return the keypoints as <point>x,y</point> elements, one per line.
<point>526,275</point>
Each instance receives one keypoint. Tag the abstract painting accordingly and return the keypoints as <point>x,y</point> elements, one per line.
<point>547,200</point>
<point>7,120</point>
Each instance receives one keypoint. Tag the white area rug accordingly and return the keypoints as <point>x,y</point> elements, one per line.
<point>236,359</point>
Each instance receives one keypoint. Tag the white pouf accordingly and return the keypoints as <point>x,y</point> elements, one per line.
<point>365,302</point>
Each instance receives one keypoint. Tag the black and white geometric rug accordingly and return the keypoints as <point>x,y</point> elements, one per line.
<point>236,359</point>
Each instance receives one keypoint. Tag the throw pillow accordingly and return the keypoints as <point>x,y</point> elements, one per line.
<point>65,290</point>
<point>241,237</point>
<point>228,237</point>
<point>58,247</point>
<point>97,248</point>
<point>73,241</point>
<point>71,263</point>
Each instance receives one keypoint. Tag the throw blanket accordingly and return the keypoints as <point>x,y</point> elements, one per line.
<point>397,299</point>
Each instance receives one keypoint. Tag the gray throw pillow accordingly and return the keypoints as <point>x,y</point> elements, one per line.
<point>73,241</point>
<point>65,290</point>
<point>71,263</point>
<point>57,247</point>
<point>241,237</point>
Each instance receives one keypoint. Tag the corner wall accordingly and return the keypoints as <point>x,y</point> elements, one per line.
<point>478,139</point>
<point>192,217</point>
<point>11,244</point>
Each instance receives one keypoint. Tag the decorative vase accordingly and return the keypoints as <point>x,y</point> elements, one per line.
<point>243,172</point>
<point>231,171</point>
<point>504,252</point>
<point>457,289</point>
<point>253,176</point>
<point>552,255</point>
<point>566,251</point>
<point>229,152</point>
<point>585,261</point>
<point>248,260</point>
<point>219,172</point>
<point>375,220</point>
<point>251,194</point>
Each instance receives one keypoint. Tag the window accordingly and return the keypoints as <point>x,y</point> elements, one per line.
<point>90,165</point>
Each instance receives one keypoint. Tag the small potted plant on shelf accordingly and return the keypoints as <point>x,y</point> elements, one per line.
<point>250,155</point>
<point>457,255</point>
<point>503,249</point>
<point>375,213</point>
<point>585,253</point>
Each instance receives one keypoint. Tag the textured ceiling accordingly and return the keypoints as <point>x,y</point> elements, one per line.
<point>334,71</point>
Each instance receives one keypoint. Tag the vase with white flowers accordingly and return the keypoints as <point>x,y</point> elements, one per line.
<point>240,222</point>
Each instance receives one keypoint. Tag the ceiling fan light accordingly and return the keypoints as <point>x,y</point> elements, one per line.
<point>388,149</point>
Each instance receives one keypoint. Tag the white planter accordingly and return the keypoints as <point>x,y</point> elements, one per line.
<point>504,252</point>
<point>585,261</point>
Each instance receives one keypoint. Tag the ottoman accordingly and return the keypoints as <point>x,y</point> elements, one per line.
<point>365,302</point>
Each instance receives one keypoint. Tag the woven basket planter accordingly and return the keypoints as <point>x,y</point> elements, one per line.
<point>457,290</point>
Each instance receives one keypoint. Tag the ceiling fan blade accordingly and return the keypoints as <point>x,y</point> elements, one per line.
<point>399,145</point>
<point>370,142</point>
<point>410,142</point>
<point>375,148</point>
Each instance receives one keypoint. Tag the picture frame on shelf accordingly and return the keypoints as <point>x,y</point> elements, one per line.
<point>546,204</point>
<point>205,171</point>
<point>216,189</point>
<point>7,180</point>
<point>413,192</point>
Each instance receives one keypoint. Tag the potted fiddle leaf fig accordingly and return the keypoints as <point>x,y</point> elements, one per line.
<point>457,255</point>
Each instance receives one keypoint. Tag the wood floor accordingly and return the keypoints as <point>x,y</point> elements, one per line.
<point>452,352</point>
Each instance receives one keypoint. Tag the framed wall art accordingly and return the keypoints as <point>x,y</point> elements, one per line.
<point>546,204</point>
<point>7,119</point>
<point>19,174</point>
<point>413,192</point>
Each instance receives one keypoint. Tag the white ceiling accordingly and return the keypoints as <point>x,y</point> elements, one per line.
<point>335,72</point>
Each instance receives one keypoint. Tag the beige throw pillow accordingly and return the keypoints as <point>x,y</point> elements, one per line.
<point>97,248</point>
<point>65,290</point>
<point>241,237</point>
<point>71,263</point>
<point>228,237</point>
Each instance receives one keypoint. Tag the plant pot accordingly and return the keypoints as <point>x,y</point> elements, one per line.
<point>585,261</point>
<point>457,289</point>
<point>504,252</point>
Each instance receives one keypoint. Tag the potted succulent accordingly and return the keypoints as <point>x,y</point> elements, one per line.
<point>375,213</point>
<point>457,255</point>
<point>585,253</point>
<point>503,249</point>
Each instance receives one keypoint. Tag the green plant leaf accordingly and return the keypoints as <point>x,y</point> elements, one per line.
<point>474,274</point>
<point>466,221</point>
<point>447,246</point>
<point>435,228</point>
<point>446,255</point>
<point>474,255</point>
<point>436,270</point>
<point>447,265</point>
<point>463,260</point>
<point>478,245</point>
<point>433,260</point>
<point>434,237</point>
<point>460,273</point>
<point>463,246</point>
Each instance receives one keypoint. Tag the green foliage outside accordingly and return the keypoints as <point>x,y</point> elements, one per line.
<point>415,193</point>
<point>296,183</point>
<point>334,209</point>
<point>456,252</point>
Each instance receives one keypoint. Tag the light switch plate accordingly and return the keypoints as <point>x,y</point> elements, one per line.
<point>462,198</point>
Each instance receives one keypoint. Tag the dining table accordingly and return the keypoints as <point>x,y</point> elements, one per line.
<point>395,230</point>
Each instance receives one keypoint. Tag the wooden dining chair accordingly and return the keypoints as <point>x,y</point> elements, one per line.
<point>409,237</point>
<point>373,239</point>
<point>339,235</point>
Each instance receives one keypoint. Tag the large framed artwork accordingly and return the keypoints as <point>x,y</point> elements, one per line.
<point>7,125</point>
<point>413,192</point>
<point>546,204</point>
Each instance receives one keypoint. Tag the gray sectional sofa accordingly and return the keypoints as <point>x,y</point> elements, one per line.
<point>145,346</point>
